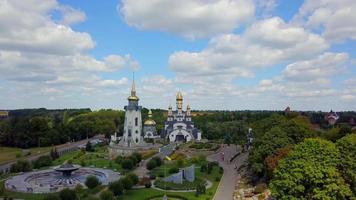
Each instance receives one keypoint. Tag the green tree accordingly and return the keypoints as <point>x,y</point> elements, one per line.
<point>151,164</point>
<point>92,181</point>
<point>89,147</point>
<point>116,187</point>
<point>67,194</point>
<point>127,164</point>
<point>21,166</point>
<point>126,182</point>
<point>310,171</point>
<point>106,195</point>
<point>42,161</point>
<point>133,177</point>
<point>347,148</point>
<point>51,197</point>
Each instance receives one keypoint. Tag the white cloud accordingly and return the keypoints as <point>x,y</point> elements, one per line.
<point>336,19</point>
<point>323,66</point>
<point>44,58</point>
<point>265,43</point>
<point>71,15</point>
<point>189,18</point>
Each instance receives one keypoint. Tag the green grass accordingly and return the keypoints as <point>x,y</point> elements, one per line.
<point>98,159</point>
<point>8,154</point>
<point>143,194</point>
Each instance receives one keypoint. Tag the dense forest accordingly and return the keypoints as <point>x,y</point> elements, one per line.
<point>42,127</point>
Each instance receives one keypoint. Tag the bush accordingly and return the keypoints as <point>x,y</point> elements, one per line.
<point>217,179</point>
<point>133,177</point>
<point>51,197</point>
<point>148,185</point>
<point>151,164</point>
<point>138,156</point>
<point>67,194</point>
<point>127,183</point>
<point>106,195</point>
<point>133,159</point>
<point>54,154</point>
<point>92,181</point>
<point>203,167</point>
<point>161,174</point>
<point>127,164</point>
<point>158,161</point>
<point>116,187</point>
<point>119,159</point>
<point>152,176</point>
<point>42,161</point>
<point>173,170</point>
<point>21,166</point>
<point>261,187</point>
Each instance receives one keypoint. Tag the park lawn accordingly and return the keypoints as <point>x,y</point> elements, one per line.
<point>8,154</point>
<point>143,194</point>
<point>89,159</point>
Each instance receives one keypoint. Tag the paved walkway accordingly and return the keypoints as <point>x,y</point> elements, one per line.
<point>229,179</point>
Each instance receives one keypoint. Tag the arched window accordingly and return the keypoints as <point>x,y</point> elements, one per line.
<point>136,121</point>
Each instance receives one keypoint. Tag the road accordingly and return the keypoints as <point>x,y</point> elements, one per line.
<point>60,149</point>
<point>229,179</point>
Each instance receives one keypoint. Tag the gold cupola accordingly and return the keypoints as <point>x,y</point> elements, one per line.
<point>179,100</point>
<point>150,121</point>
<point>133,96</point>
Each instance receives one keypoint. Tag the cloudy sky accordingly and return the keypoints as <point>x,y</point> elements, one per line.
<point>222,54</point>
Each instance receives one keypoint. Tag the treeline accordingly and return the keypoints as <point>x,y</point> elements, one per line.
<point>34,128</point>
<point>298,161</point>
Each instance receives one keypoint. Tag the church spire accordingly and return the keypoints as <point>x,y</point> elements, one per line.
<point>133,90</point>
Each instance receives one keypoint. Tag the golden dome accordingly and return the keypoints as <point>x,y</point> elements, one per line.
<point>150,121</point>
<point>133,98</point>
<point>179,96</point>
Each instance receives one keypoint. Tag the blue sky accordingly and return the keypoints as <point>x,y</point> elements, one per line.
<point>223,54</point>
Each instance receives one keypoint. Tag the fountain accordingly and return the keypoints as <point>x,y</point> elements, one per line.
<point>58,178</point>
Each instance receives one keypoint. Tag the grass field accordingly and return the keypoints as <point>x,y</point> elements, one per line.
<point>8,154</point>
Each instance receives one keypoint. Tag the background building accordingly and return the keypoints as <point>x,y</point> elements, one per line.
<point>179,126</point>
<point>149,128</point>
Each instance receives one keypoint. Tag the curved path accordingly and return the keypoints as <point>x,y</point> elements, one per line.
<point>227,184</point>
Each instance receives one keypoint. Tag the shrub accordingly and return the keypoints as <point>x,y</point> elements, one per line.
<point>261,187</point>
<point>106,195</point>
<point>203,167</point>
<point>152,176</point>
<point>127,164</point>
<point>133,177</point>
<point>151,164</point>
<point>161,174</point>
<point>21,166</point>
<point>42,161</point>
<point>127,183</point>
<point>180,162</point>
<point>217,179</point>
<point>67,194</point>
<point>89,147</point>
<point>148,185</point>
<point>119,159</point>
<point>92,181</point>
<point>51,197</point>
<point>133,159</point>
<point>54,154</point>
<point>138,156</point>
<point>158,161</point>
<point>173,170</point>
<point>116,187</point>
